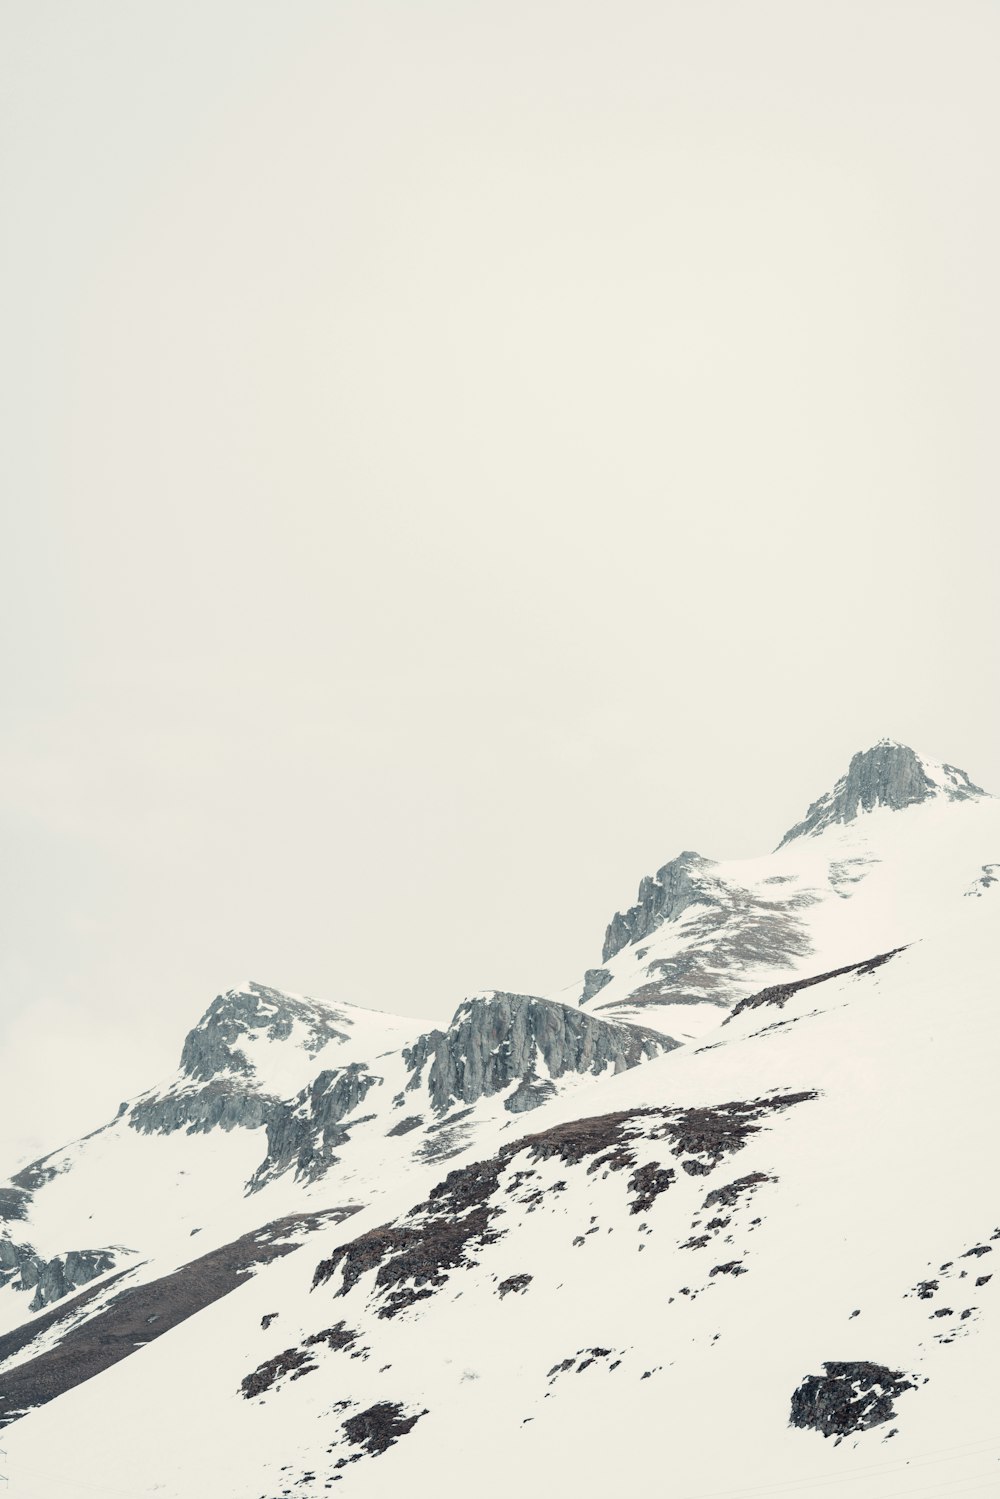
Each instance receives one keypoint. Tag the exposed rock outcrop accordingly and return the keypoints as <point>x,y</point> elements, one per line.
<point>136,1314</point>
<point>662,897</point>
<point>530,1094</point>
<point>497,1040</point>
<point>13,1257</point>
<point>779,994</point>
<point>53,1279</point>
<point>14,1204</point>
<point>728,931</point>
<point>414,1255</point>
<point>594,981</point>
<point>220,1104</point>
<point>380,1427</point>
<point>212,1046</point>
<point>306,1131</point>
<point>887,775</point>
<point>848,1397</point>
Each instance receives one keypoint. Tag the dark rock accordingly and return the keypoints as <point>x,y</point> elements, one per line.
<point>647,1183</point>
<point>452,1119</point>
<point>728,1196</point>
<point>379,1427</point>
<point>338,1337</point>
<point>411,1122</point>
<point>57,1277</point>
<point>294,1361</point>
<point>431,1240</point>
<point>848,1397</point>
<point>455,1223</point>
<point>134,1315</point>
<point>220,1104</point>
<point>14,1204</point>
<point>779,994</point>
<point>35,1175</point>
<point>514,1283</point>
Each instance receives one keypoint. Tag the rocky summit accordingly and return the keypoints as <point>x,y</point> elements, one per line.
<point>887,775</point>
<point>743,1243</point>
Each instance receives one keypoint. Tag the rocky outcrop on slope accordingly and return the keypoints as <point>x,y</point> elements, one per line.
<point>12,1258</point>
<point>594,980</point>
<point>221,1104</point>
<point>305,1132</point>
<point>498,1040</point>
<point>135,1315</point>
<point>779,994</point>
<point>215,1055</point>
<point>727,934</point>
<point>662,897</point>
<point>51,1280</point>
<point>14,1204</point>
<point>212,1046</point>
<point>888,775</point>
<point>413,1255</point>
<point>848,1397</point>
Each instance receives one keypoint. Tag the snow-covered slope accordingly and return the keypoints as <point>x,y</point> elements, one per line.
<point>274,1093</point>
<point>879,860</point>
<point>757,1263</point>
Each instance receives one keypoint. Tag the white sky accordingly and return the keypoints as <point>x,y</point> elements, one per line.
<point>457,456</point>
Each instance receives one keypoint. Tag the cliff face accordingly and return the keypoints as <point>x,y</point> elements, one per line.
<point>50,1279</point>
<point>212,1046</point>
<point>662,897</point>
<point>305,1131</point>
<point>219,1105</point>
<point>497,1040</point>
<point>218,1055</point>
<point>887,775</point>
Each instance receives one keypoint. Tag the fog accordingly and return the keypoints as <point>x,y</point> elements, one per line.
<point>458,456</point>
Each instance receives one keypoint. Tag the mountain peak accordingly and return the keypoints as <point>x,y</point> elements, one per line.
<point>890,775</point>
<point>255,1012</point>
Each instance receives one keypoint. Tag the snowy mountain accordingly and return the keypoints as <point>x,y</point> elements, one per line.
<point>743,1244</point>
<point>850,876</point>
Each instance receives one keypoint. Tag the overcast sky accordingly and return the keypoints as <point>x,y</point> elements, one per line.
<point>457,456</point>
